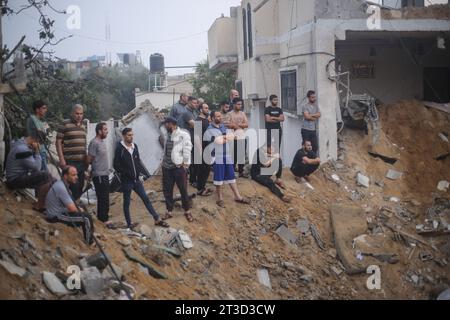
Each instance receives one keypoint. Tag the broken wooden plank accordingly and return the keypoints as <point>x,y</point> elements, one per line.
<point>408,235</point>
<point>151,270</point>
<point>434,233</point>
<point>445,107</point>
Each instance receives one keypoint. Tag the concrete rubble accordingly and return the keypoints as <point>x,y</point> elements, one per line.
<point>53,284</point>
<point>264,278</point>
<point>393,174</point>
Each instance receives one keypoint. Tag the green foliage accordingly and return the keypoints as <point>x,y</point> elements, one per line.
<point>212,85</point>
<point>106,92</point>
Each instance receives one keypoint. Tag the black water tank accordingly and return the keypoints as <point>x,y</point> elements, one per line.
<point>157,63</point>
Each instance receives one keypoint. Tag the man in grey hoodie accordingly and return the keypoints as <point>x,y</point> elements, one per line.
<point>23,169</point>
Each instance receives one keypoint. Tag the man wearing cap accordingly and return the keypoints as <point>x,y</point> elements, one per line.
<point>176,161</point>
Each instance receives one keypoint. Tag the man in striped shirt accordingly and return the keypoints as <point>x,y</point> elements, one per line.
<point>71,147</point>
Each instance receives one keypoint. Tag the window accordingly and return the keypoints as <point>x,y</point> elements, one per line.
<point>244,29</point>
<point>289,90</point>
<point>249,31</point>
<point>363,69</point>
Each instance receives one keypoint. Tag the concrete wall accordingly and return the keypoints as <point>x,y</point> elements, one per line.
<point>146,136</point>
<point>221,40</point>
<point>396,75</point>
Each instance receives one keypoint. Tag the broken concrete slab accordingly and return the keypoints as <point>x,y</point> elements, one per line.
<point>362,180</point>
<point>133,256</point>
<point>13,269</point>
<point>303,225</point>
<point>264,278</point>
<point>107,274</point>
<point>335,178</point>
<point>171,251</point>
<point>124,242</point>
<point>443,185</point>
<point>394,174</point>
<point>336,270</point>
<point>98,260</point>
<point>285,234</point>
<point>443,137</point>
<point>53,284</point>
<point>348,222</point>
<point>185,239</point>
<point>92,281</point>
<point>145,230</point>
<point>445,295</point>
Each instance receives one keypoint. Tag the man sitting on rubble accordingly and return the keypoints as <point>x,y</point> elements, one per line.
<point>266,165</point>
<point>23,169</point>
<point>61,206</point>
<point>305,162</point>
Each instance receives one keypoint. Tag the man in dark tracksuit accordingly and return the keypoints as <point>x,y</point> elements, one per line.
<point>264,160</point>
<point>128,165</point>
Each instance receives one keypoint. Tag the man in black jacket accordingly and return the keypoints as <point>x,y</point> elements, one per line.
<point>128,165</point>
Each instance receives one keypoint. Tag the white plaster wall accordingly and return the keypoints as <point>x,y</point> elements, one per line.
<point>292,139</point>
<point>146,136</point>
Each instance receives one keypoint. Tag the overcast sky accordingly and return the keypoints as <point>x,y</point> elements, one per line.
<point>175,28</point>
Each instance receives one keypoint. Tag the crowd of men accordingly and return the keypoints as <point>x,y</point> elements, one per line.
<point>196,142</point>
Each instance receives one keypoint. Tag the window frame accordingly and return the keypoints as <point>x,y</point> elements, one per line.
<point>290,111</point>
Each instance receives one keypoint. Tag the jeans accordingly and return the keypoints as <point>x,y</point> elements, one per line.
<point>77,188</point>
<point>171,177</point>
<point>310,136</point>
<point>44,158</point>
<point>101,185</point>
<point>136,186</point>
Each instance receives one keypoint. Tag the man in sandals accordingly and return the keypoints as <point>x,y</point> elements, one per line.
<point>176,161</point>
<point>127,164</point>
<point>266,165</point>
<point>223,166</point>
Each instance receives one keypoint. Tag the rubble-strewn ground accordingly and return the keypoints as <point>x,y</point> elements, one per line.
<point>229,245</point>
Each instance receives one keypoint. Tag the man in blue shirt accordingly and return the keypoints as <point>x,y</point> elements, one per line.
<point>23,169</point>
<point>223,166</point>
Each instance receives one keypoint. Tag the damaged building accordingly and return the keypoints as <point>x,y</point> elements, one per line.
<point>388,50</point>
